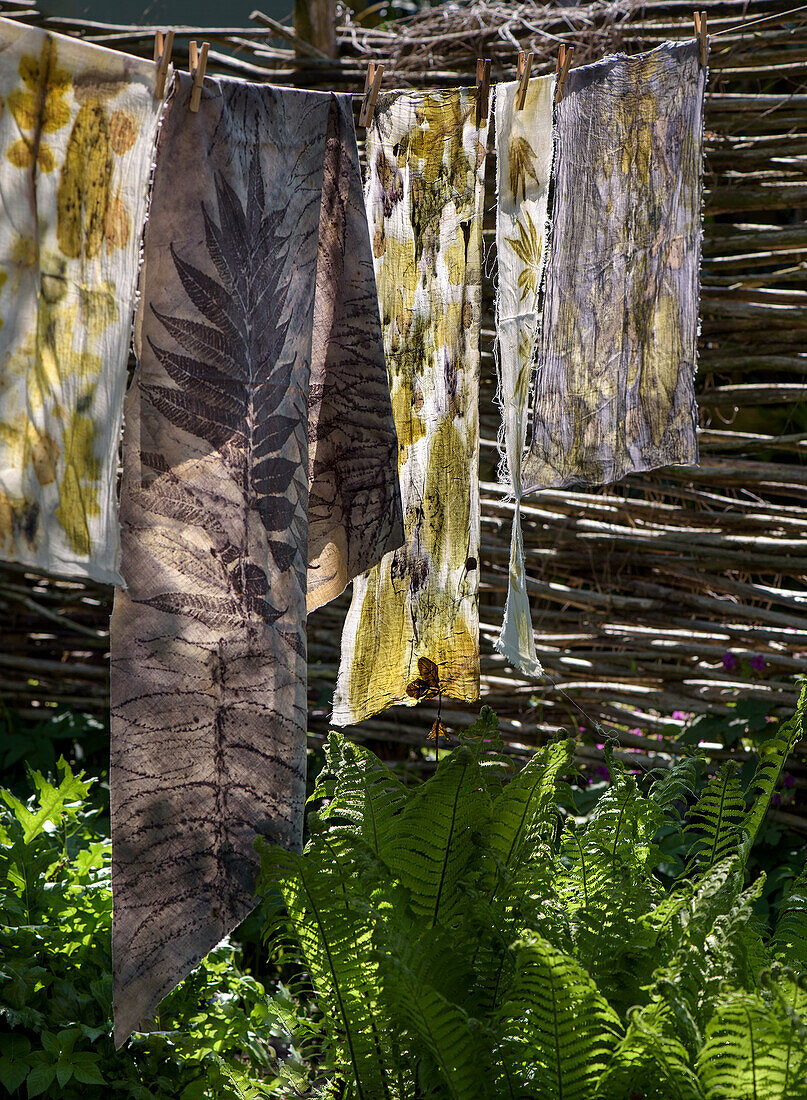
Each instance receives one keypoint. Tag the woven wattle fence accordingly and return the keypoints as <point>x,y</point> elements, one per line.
<point>641,589</point>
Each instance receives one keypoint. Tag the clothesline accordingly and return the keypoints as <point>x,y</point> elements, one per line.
<point>780,16</point>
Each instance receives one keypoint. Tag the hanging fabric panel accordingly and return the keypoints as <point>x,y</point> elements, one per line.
<point>614,387</point>
<point>523,166</point>
<point>76,147</point>
<point>426,163</point>
<point>260,474</point>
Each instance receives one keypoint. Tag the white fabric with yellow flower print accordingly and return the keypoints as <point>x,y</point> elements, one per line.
<point>76,145</point>
<point>524,165</point>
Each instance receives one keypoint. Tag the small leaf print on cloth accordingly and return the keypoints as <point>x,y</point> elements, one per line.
<point>260,476</point>
<point>424,200</point>
<point>73,191</point>
<point>614,382</point>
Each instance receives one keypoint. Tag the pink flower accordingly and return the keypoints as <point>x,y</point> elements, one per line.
<point>602,772</point>
<point>729,662</point>
<point>636,730</point>
<point>757,662</point>
<point>679,716</point>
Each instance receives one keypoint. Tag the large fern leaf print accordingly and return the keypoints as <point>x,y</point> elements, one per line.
<point>231,380</point>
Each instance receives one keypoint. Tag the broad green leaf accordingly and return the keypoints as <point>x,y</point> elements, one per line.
<point>40,1079</point>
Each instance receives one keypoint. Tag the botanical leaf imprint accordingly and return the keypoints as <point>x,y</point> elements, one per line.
<point>260,416</point>
<point>614,386</point>
<point>76,146</point>
<point>424,198</point>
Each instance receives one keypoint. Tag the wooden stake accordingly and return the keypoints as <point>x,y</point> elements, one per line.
<point>198,64</point>
<point>163,49</point>
<point>482,90</point>
<point>523,73</point>
<point>372,84</point>
<point>562,69</point>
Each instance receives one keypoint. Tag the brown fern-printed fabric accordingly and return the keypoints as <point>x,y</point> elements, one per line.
<point>259,469</point>
<point>614,385</point>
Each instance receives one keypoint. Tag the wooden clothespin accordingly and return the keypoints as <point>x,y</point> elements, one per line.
<point>163,49</point>
<point>562,70</point>
<point>482,90</point>
<point>372,84</point>
<point>701,34</point>
<point>197,63</point>
<point>523,74</point>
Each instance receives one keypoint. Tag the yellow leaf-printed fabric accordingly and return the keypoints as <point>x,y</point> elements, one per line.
<point>524,165</point>
<point>614,386</point>
<point>77,133</point>
<point>426,161</point>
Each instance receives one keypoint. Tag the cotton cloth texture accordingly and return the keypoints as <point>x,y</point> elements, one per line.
<point>76,147</point>
<point>523,170</point>
<point>260,475</point>
<point>614,388</point>
<point>426,160</point>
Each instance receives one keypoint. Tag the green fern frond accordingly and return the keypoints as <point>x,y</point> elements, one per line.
<point>787,990</point>
<point>624,824</point>
<point>675,785</point>
<point>556,1031</point>
<point>329,914</point>
<point>715,825</point>
<point>734,949</point>
<point>357,791</point>
<point>525,812</point>
<point>650,1061</point>
<point>772,756</point>
<point>436,837</point>
<point>789,944</point>
<point>684,928</point>
<point>415,979</point>
<point>749,1051</point>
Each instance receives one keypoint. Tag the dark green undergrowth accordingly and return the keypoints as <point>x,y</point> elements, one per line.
<point>217,1035</point>
<point>469,937</point>
<point>486,933</point>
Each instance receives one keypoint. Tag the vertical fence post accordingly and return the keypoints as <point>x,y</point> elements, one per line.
<point>315,22</point>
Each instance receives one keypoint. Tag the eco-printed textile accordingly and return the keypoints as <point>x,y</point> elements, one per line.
<point>614,387</point>
<point>524,165</point>
<point>259,474</point>
<point>426,160</point>
<point>76,146</point>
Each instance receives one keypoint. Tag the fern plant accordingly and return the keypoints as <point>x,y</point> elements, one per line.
<point>468,939</point>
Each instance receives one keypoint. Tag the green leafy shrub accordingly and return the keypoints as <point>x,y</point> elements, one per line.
<point>467,938</point>
<point>56,984</point>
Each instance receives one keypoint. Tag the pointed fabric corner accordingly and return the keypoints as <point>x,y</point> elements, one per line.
<point>524,166</point>
<point>614,384</point>
<point>426,163</point>
<point>77,135</point>
<point>258,431</point>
